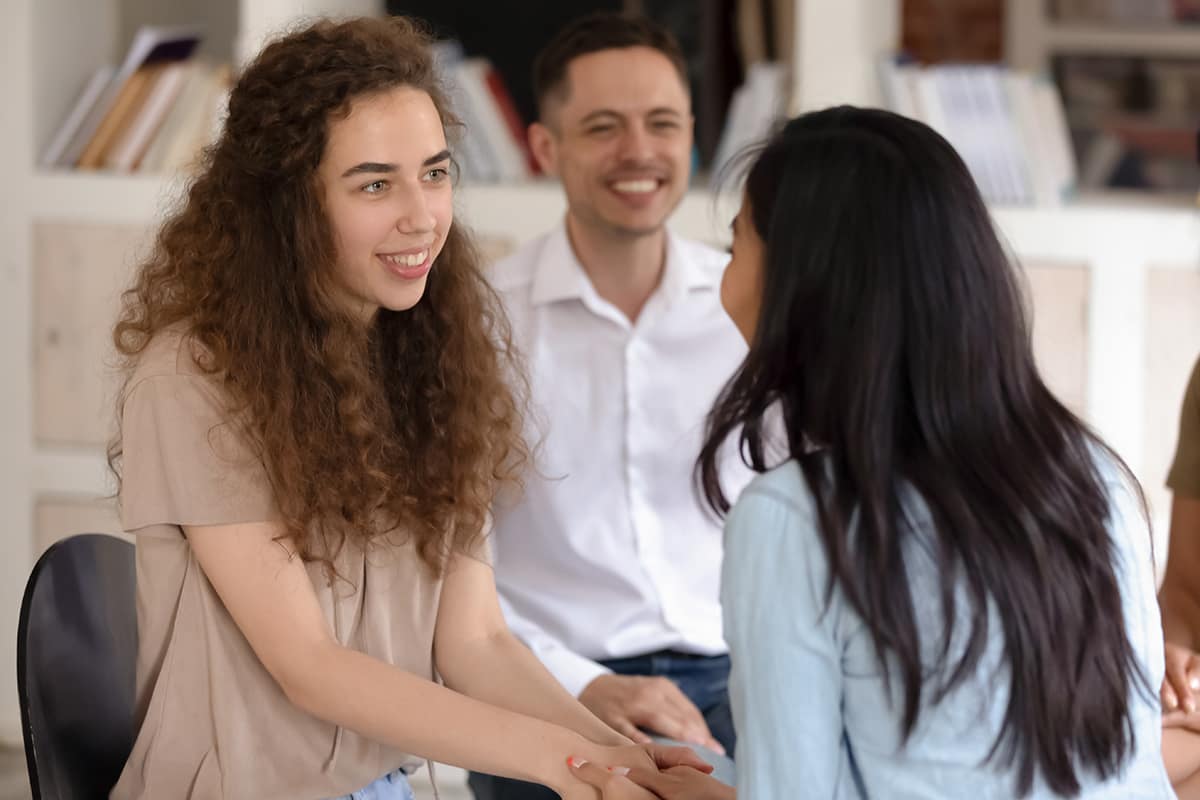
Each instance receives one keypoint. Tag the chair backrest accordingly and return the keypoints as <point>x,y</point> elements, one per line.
<point>76,655</point>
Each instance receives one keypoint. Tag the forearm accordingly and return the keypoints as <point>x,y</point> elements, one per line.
<point>1180,614</point>
<point>1179,597</point>
<point>418,716</point>
<point>498,669</point>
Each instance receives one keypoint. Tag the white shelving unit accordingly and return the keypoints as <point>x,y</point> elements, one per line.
<point>1033,37</point>
<point>48,47</point>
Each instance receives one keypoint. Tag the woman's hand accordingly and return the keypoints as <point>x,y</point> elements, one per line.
<point>666,757</point>
<point>607,784</point>
<point>676,783</point>
<point>1181,685</point>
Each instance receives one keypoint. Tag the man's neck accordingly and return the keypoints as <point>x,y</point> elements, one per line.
<point>624,269</point>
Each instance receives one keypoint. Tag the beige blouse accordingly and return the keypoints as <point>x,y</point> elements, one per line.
<point>212,721</point>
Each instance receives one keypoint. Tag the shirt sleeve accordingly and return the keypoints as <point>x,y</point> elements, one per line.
<point>1184,477</point>
<point>572,670</point>
<point>786,684</point>
<point>184,462</point>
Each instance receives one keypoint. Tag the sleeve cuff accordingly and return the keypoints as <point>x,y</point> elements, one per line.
<point>572,670</point>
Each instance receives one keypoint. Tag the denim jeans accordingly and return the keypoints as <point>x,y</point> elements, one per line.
<point>393,786</point>
<point>703,679</point>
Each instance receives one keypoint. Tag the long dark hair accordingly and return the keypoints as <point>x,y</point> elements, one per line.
<point>892,339</point>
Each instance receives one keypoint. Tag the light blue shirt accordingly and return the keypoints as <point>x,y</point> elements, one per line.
<point>812,714</point>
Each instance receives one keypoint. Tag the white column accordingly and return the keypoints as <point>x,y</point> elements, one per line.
<point>262,19</point>
<point>16,302</point>
<point>837,50</point>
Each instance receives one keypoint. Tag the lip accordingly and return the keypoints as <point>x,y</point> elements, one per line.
<point>406,272</point>
<point>636,199</point>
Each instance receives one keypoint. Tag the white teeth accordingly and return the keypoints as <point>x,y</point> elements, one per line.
<point>636,187</point>
<point>413,260</point>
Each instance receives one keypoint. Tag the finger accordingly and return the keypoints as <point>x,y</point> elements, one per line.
<point>656,782</point>
<point>588,772</point>
<point>1177,675</point>
<point>665,722</point>
<point>693,718</point>
<point>674,716</point>
<point>667,757</point>
<point>631,731</point>
<point>1170,701</point>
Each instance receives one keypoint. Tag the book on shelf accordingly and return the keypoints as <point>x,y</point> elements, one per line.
<point>471,75</point>
<point>152,47</point>
<point>494,145</point>
<point>1009,127</point>
<point>1133,120</point>
<point>131,143</point>
<point>192,121</point>
<point>54,153</point>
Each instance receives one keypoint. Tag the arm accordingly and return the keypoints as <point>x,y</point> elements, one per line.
<point>1179,596</point>
<point>268,594</point>
<point>786,682</point>
<point>626,703</point>
<point>478,656</point>
<point>569,668</point>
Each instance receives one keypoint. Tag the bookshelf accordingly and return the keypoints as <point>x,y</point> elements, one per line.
<point>1097,267</point>
<point>1034,35</point>
<point>1130,79</point>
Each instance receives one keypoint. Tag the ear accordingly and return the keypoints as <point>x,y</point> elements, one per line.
<point>544,144</point>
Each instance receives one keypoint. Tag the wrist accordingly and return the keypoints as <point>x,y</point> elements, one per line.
<point>552,770</point>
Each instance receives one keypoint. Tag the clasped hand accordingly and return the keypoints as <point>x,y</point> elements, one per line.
<point>678,773</point>
<point>1180,691</point>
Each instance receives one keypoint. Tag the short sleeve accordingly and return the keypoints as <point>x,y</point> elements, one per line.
<point>1184,477</point>
<point>184,462</point>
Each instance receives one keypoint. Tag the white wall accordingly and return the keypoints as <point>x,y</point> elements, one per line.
<point>16,515</point>
<point>838,47</point>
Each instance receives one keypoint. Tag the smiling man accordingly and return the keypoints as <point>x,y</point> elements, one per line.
<point>607,566</point>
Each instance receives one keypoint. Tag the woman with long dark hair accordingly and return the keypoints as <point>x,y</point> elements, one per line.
<point>943,584</point>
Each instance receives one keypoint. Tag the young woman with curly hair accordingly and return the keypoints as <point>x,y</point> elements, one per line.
<point>315,418</point>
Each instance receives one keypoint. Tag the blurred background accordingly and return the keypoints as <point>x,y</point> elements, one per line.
<point>1078,119</point>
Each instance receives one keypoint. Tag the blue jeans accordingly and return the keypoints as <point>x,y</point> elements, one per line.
<point>393,786</point>
<point>703,679</point>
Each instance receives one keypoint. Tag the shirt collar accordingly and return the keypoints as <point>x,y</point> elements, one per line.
<point>558,275</point>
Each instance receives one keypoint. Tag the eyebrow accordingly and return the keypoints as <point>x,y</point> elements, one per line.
<point>608,112</point>
<point>386,168</point>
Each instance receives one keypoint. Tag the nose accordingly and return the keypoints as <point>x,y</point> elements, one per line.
<point>636,144</point>
<point>413,214</point>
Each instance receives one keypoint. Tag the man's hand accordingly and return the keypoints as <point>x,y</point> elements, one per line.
<point>628,703</point>
<point>1181,683</point>
<point>677,783</point>
<point>666,757</point>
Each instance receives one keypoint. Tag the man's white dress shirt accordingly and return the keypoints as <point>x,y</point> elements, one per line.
<point>608,552</point>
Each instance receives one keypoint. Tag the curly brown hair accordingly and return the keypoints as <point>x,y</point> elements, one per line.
<point>411,423</point>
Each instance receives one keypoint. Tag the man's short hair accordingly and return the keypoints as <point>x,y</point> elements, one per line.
<point>603,30</point>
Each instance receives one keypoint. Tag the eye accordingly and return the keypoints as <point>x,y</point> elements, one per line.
<point>664,125</point>
<point>375,187</point>
<point>599,130</point>
<point>437,174</point>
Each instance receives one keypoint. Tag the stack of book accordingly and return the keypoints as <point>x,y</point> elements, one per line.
<point>152,113</point>
<point>1008,126</point>
<point>494,147</point>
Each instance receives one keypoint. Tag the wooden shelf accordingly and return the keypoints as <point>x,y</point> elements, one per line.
<point>1077,38</point>
<point>101,196</point>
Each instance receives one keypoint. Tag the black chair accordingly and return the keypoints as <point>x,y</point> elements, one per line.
<point>76,651</point>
